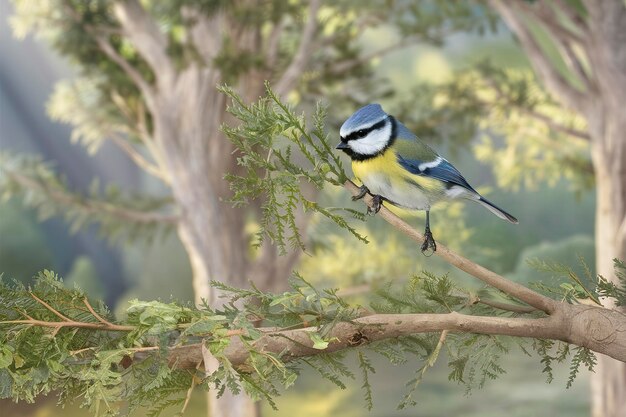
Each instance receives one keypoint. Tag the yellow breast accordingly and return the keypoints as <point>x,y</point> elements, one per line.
<point>383,175</point>
<point>386,164</point>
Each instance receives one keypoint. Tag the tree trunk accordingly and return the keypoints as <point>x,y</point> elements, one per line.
<point>608,382</point>
<point>601,101</point>
<point>607,126</point>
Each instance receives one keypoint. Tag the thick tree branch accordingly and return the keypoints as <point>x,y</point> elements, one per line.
<point>142,31</point>
<point>550,75</point>
<point>564,38</point>
<point>572,14</point>
<point>574,324</point>
<point>303,54</point>
<point>511,288</point>
<point>544,13</point>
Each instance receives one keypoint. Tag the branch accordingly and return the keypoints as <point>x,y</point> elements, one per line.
<point>145,35</point>
<point>544,13</point>
<point>132,72</point>
<point>67,322</point>
<point>294,344</point>
<point>72,324</point>
<point>563,37</point>
<point>572,14</point>
<point>95,314</point>
<point>514,289</point>
<point>302,56</point>
<point>46,305</point>
<point>541,63</point>
<point>575,65</point>
<point>101,38</point>
<point>91,206</point>
<point>137,157</point>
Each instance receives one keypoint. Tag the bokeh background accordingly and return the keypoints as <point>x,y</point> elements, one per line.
<point>556,223</point>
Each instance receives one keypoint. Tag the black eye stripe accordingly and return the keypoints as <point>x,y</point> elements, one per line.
<point>364,132</point>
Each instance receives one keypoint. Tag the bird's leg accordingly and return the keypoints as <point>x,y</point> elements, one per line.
<point>377,202</point>
<point>429,241</point>
<point>362,191</point>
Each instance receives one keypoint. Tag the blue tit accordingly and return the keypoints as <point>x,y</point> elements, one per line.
<point>396,167</point>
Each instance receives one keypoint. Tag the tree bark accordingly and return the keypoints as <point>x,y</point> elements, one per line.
<point>601,101</point>
<point>608,382</point>
<point>187,112</point>
<point>607,125</point>
<point>596,328</point>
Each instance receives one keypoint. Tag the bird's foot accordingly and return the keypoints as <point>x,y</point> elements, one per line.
<point>377,202</point>
<point>362,191</point>
<point>429,246</point>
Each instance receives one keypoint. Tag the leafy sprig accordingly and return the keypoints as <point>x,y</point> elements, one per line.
<point>280,156</point>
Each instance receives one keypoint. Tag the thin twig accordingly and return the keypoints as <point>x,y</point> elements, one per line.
<point>73,324</point>
<point>96,315</point>
<point>49,307</point>
<point>190,390</point>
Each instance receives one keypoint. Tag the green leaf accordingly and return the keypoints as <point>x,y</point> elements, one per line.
<point>318,342</point>
<point>6,356</point>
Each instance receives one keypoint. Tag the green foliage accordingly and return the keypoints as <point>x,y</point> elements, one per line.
<point>613,290</point>
<point>279,157</point>
<point>52,339</point>
<point>572,287</point>
<point>551,352</point>
<point>118,215</point>
<point>366,370</point>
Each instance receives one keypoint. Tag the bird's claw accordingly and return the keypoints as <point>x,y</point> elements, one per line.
<point>377,202</point>
<point>429,243</point>
<point>362,191</point>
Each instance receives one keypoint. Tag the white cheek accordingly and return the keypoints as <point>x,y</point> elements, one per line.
<point>372,143</point>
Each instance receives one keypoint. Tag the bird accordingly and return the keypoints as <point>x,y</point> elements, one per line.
<point>395,167</point>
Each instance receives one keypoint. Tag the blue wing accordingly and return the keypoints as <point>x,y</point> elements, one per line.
<point>439,169</point>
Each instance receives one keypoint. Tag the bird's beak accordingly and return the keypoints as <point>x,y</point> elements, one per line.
<point>342,145</point>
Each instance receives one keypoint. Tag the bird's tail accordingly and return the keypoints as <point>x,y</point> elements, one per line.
<point>497,210</point>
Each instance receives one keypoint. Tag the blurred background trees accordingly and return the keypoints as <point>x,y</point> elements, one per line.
<point>145,81</point>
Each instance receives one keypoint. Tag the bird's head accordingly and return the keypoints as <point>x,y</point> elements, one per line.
<point>367,133</point>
